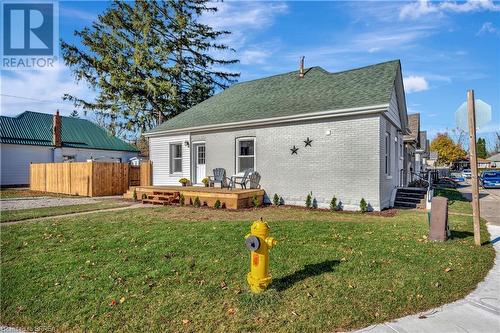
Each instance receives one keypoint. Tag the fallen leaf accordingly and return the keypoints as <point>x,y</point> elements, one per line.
<point>231,311</point>
<point>237,291</point>
<point>185,321</point>
<point>447,269</point>
<point>309,294</point>
<point>113,302</point>
<point>422,317</point>
<point>295,313</point>
<point>223,285</point>
<point>122,300</point>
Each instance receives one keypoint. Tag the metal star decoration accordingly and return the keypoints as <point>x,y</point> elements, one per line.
<point>294,150</point>
<point>308,142</point>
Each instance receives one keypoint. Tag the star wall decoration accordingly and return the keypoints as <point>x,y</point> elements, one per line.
<point>294,150</point>
<point>308,142</point>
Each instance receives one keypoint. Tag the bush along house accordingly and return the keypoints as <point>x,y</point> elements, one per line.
<point>34,137</point>
<point>332,134</point>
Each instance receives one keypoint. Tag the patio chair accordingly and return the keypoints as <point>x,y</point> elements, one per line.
<point>254,180</point>
<point>219,177</point>
<point>242,181</point>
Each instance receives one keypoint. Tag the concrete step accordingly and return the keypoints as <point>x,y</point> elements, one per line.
<point>404,204</point>
<point>410,195</point>
<point>409,199</point>
<point>412,190</point>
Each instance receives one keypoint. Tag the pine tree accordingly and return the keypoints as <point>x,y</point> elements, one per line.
<point>148,61</point>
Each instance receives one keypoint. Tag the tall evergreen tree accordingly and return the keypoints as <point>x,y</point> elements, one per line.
<point>481,148</point>
<point>148,61</point>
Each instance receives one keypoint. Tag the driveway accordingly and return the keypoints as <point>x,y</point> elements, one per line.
<point>39,202</point>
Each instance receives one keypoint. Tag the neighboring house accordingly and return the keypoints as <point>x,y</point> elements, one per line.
<point>33,137</point>
<point>335,134</point>
<point>495,160</point>
<point>431,161</point>
<point>417,148</point>
<point>483,163</point>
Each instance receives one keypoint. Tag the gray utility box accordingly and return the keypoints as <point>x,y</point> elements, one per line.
<point>438,226</point>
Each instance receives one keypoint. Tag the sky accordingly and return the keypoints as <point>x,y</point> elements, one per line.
<point>445,48</point>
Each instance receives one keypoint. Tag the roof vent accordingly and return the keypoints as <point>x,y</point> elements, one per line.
<point>301,70</point>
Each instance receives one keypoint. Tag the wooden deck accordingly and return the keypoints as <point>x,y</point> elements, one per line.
<point>231,198</point>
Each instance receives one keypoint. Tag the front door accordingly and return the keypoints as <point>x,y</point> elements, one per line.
<point>200,163</point>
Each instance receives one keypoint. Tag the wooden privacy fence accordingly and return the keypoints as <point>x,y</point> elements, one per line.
<point>88,178</point>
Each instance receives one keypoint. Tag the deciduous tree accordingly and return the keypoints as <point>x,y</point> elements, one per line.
<point>448,151</point>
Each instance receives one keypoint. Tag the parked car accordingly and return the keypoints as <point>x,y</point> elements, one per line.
<point>457,176</point>
<point>466,173</point>
<point>490,179</point>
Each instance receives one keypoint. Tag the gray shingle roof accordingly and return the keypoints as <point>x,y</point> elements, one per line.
<point>414,127</point>
<point>288,94</point>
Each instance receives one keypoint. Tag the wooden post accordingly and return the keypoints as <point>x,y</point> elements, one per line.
<point>471,112</point>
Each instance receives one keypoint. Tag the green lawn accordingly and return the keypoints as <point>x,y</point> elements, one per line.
<point>456,202</point>
<point>183,269</point>
<point>25,214</point>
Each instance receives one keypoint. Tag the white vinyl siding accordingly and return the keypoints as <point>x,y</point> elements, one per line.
<point>245,154</point>
<point>159,154</point>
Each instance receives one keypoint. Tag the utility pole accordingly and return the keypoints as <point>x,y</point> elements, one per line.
<point>471,114</point>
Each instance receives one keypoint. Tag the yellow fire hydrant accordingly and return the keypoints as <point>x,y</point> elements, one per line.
<point>259,243</point>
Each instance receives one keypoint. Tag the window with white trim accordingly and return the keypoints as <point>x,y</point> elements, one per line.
<point>245,154</point>
<point>387,153</point>
<point>175,157</point>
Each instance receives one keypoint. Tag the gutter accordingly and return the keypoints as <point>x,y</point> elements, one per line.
<point>277,120</point>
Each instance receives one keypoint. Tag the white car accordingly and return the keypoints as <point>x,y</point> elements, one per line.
<point>466,173</point>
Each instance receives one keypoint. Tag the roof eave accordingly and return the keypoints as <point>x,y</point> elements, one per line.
<point>380,108</point>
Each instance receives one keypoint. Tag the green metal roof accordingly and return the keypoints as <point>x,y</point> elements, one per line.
<point>288,94</point>
<point>34,128</point>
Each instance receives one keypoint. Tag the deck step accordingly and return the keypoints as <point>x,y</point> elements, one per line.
<point>412,190</point>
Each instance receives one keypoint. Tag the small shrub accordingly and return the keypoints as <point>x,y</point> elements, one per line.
<point>190,201</point>
<point>363,206</point>
<point>197,202</point>
<point>315,203</point>
<point>309,200</point>
<point>134,195</point>
<point>282,201</point>
<point>217,204</point>
<point>144,196</point>
<point>182,200</point>
<point>205,204</point>
<point>255,201</point>
<point>223,205</point>
<point>333,204</point>
<point>276,199</point>
<point>184,181</point>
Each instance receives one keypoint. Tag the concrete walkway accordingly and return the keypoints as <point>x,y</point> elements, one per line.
<point>480,310</point>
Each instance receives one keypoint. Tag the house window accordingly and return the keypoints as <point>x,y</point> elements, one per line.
<point>387,153</point>
<point>69,158</point>
<point>245,154</point>
<point>176,158</point>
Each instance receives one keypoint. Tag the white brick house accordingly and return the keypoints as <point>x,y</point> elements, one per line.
<point>354,120</point>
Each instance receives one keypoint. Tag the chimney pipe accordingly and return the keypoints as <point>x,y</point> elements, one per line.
<point>56,130</point>
<point>301,71</point>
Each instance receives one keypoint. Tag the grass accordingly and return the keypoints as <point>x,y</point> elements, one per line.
<point>15,193</point>
<point>183,269</point>
<point>25,214</point>
<point>456,202</point>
